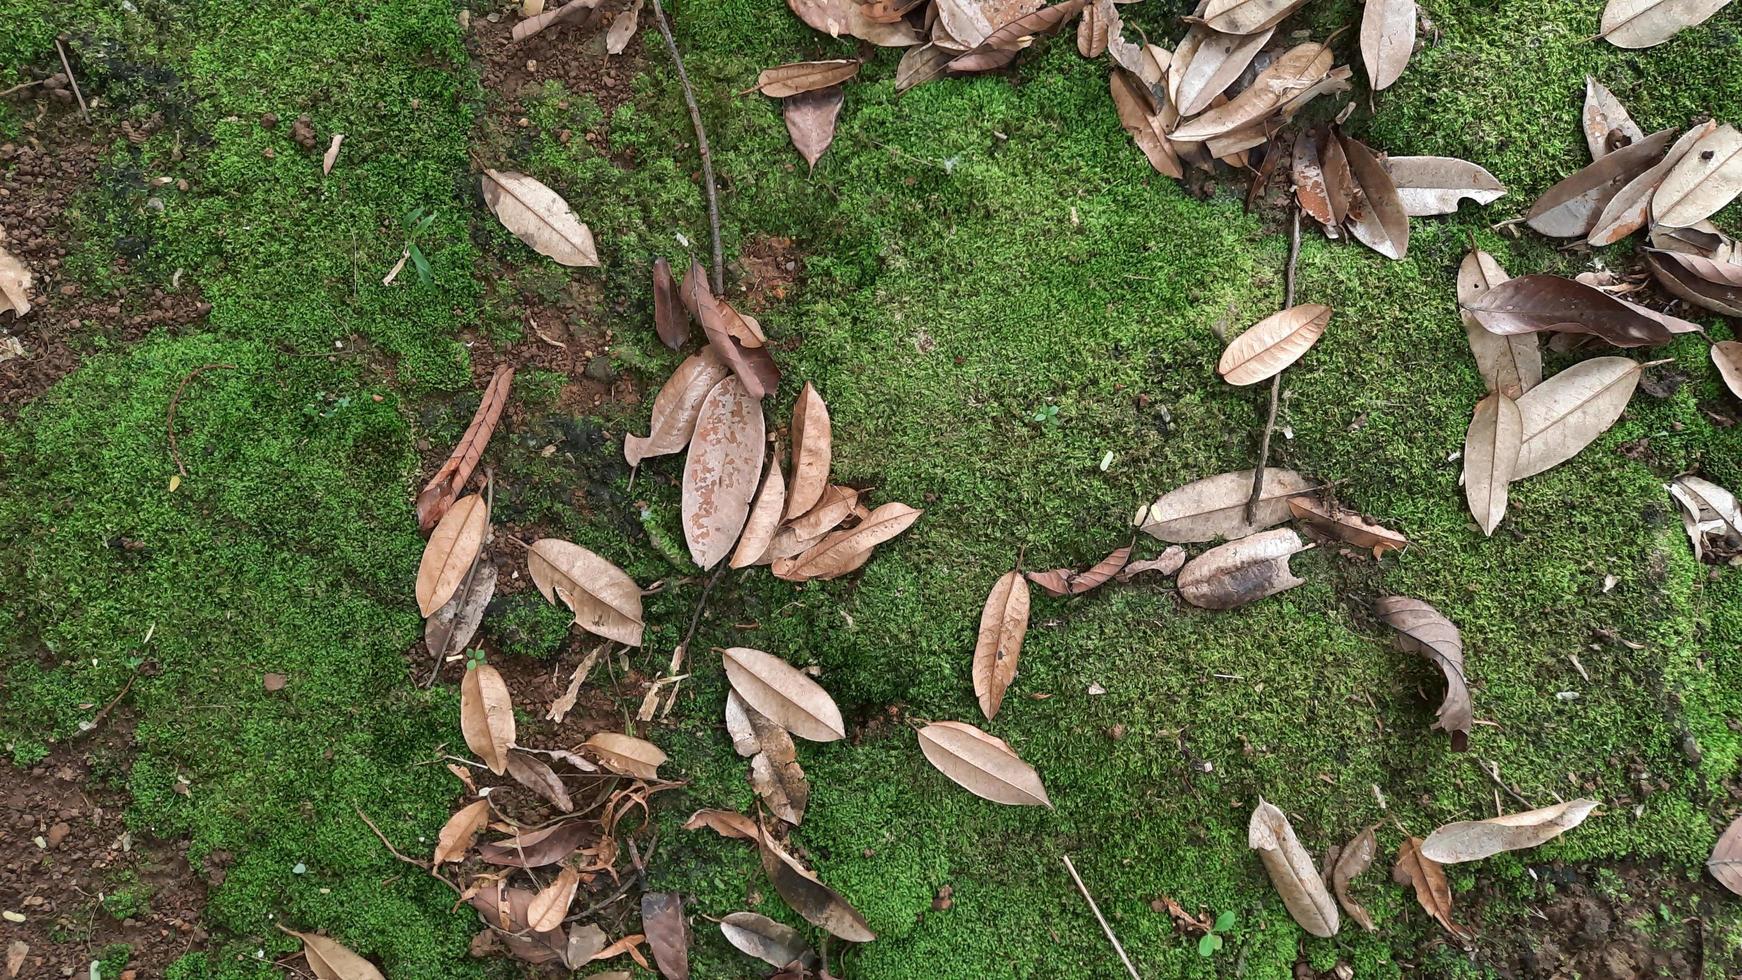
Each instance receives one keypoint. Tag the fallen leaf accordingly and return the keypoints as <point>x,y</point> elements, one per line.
<point>998,646</point>
<point>1346,526</point>
<point>1608,127</point>
<point>812,442</point>
<point>721,474</point>
<point>1269,346</point>
<point>539,217</point>
<point>440,492</point>
<point>1143,120</point>
<point>1725,864</point>
<point>16,951</point>
<point>814,901</point>
<point>1545,303</point>
<point>767,940</point>
<point>668,933</point>
<point>332,155</point>
<point>1310,188</point>
<point>727,329</point>
<point>775,774</point>
<point>1703,239</point>
<point>452,626</point>
<point>783,695</point>
<point>1230,147</point>
<point>460,831</point>
<point>1435,185</point>
<point>546,911</point>
<point>1431,889</point>
<point>542,19</point>
<point>837,17</point>
<point>1643,23</point>
<point>1491,446</point>
<point>1206,62</point>
<point>1707,509</point>
<point>963,24</point>
<point>805,76</point>
<point>835,505</point>
<point>539,778</point>
<point>1715,286</point>
<point>1354,858</point>
<point>1570,208</point>
<point>1002,45</point>
<point>1421,629</point>
<point>1630,209</point>
<point>1387,39</point>
<point>764,520</point>
<point>626,755</point>
<point>487,715</point>
<point>981,764</point>
<point>1727,357</point>
<point>1567,412</point>
<point>1095,27</point>
<point>845,551</point>
<point>605,600</point>
<point>1376,215</point>
<point>744,740</point>
<point>920,64</point>
<point>332,961</point>
<point>1242,571</point>
<point>1294,71</point>
<point>1291,871</point>
<point>670,320</point>
<point>1246,16</point>
<point>677,406</point>
<point>507,910</point>
<point>726,823</point>
<point>535,848</point>
<point>1069,581</point>
<point>1167,563</point>
<point>1215,507</point>
<point>810,121</point>
<point>1510,365</point>
<point>1473,840</point>
<point>15,279</point>
<point>622,29</point>
<point>1340,185</point>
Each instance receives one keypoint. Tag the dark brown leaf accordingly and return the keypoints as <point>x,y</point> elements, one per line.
<point>1570,208</point>
<point>1100,21</point>
<point>1542,303</point>
<point>810,121</point>
<point>726,329</point>
<point>1421,629</point>
<point>670,319</point>
<point>1716,286</point>
<point>1140,117</point>
<point>1431,888</point>
<point>668,933</point>
<point>537,848</point>
<point>444,488</point>
<point>538,777</point>
<point>1346,525</point>
<point>1067,581</point>
<point>814,901</point>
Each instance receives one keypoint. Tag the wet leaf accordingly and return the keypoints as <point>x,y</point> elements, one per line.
<point>1167,563</point>
<point>1727,357</point>
<point>452,627</point>
<point>332,961</point>
<point>767,940</point>
<point>810,121</point>
<point>734,337</point>
<point>783,695</point>
<point>487,715</point>
<point>1069,581</point>
<point>1002,45</point>
<point>668,933</point>
<point>1207,62</point>
<point>1570,208</point>
<point>1246,16</point>
<point>539,217</point>
<point>539,778</point>
<point>814,901</point>
<point>1608,127</point>
<point>670,320</point>
<point>535,848</point>
<point>845,551</point>
<point>722,471</point>
<point>1544,303</point>
<point>1296,70</point>
<point>998,646</point>
<point>15,279</point>
<point>812,442</point>
<point>1491,447</point>
<point>1354,859</point>
<point>440,492</point>
<point>1421,629</point>
<point>805,76</point>
<point>1376,216</point>
<point>1291,871</point>
<point>1644,23</point>
<point>1269,346</point>
<point>1630,209</point>
<point>1567,412</point>
<point>1716,286</point>
<point>1096,25</point>
<point>1144,121</point>
<point>1431,889</point>
<point>764,520</point>
<point>622,29</point>
<point>1242,571</point>
<point>1387,39</point>
<point>1510,365</point>
<point>546,911</point>
<point>981,764</point>
<point>1435,185</point>
<point>452,549</point>
<point>1346,526</point>
<point>460,831</point>
<point>677,406</point>
<point>626,755</point>
<point>1473,840</point>
<point>1725,864</point>
<point>1215,507</point>
<point>605,600</point>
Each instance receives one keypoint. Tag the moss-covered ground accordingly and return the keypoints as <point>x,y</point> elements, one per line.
<point>974,251</point>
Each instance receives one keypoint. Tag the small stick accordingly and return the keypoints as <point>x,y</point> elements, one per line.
<point>175,400</point>
<point>696,617</point>
<point>1275,382</point>
<point>717,274</point>
<point>84,111</point>
<point>414,862</point>
<point>1098,918</point>
<point>1494,774</point>
<point>21,86</point>
<point>114,700</point>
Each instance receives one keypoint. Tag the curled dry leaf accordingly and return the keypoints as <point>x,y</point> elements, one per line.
<point>1435,185</point>
<point>1608,127</point>
<point>452,627</point>
<point>507,910</point>
<point>1570,208</point>
<point>1346,526</point>
<point>1703,239</point>
<point>546,910</point>
<point>1069,581</point>
<point>720,474</point>
<point>1643,23</point>
<point>764,520</point>
<point>539,778</point>
<point>814,901</point>
<point>921,64</point>
<point>678,405</point>
<point>1490,456</point>
<point>783,695</point>
<point>487,715</point>
<point>1567,412</point>
<point>835,505</point>
<point>775,774</point>
<point>537,19</point>
<point>331,960</point>
<point>536,848</point>
<point>539,217</point>
<point>1246,16</point>
<point>1725,864</point>
<point>1269,346</point>
<point>1231,147</point>
<point>1716,286</point>
<point>605,600</point>
<point>767,940</point>
<point>15,278</point>
<point>1242,571</point>
<point>744,740</point>
<point>1511,365</point>
<point>1168,562</point>
<point>810,121</point>
<point>1387,39</point>
<point>449,554</point>
<point>668,933</point>
<point>1545,303</point>
<point>812,447</point>
<point>1351,861</point>
<point>670,320</point>
<point>1473,840</point>
<point>1727,357</point>
<point>1707,509</point>
<point>440,492</point>
<point>845,551</point>
<point>626,755</point>
<point>1145,121</point>
<point>460,831</point>
<point>1428,879</point>
<point>981,764</point>
<point>1207,62</point>
<point>1376,216</point>
<point>1002,45</point>
<point>1215,507</point>
<point>1291,870</point>
<point>1421,629</point>
<point>805,76</point>
<point>998,647</point>
<point>1311,189</point>
<point>1296,70</point>
<point>837,17</point>
<point>1630,209</point>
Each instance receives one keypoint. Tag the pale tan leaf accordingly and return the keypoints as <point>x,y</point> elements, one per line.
<point>1567,412</point>
<point>845,551</point>
<point>1727,357</point>
<point>1351,861</point>
<point>1387,39</point>
<point>332,155</point>
<point>1608,127</point>
<point>677,406</point>
<point>622,29</point>
<point>1422,629</point>
<point>450,552</point>
<point>552,902</point>
<point>722,471</point>
<point>1215,507</point>
<point>540,779</point>
<point>920,64</point>
<point>605,600</point>
<point>836,504</point>
<point>15,279</point>
<point>1291,870</point>
<point>812,446</point>
<point>1491,447</point>
<point>810,121</point>
<point>726,823</point>
<point>1296,70</point>
<point>1644,23</point>
<point>838,17</point>
<point>1511,365</point>
<point>767,940</point>
<point>782,694</point>
<point>1168,562</point>
<point>1630,209</point>
<point>764,520</point>
<point>966,23</point>
<point>460,831</point>
<point>1099,22</point>
<point>744,740</point>
<point>539,217</point>
<point>452,627</point>
<point>1431,889</point>
<point>1272,344</point>
<point>1242,571</point>
<point>1246,16</point>
<point>1070,581</point>
<point>626,754</point>
<point>1570,208</point>
<point>1144,121</point>
<point>1207,62</point>
<point>1435,185</point>
<point>981,764</point>
<point>487,715</point>
<point>1002,45</point>
<point>1346,525</point>
<point>1003,624</point>
<point>1707,177</point>
<point>1725,864</point>
<point>565,702</point>
<point>1473,840</point>
<point>16,951</point>
<point>537,19</point>
<point>805,76</point>
<point>329,960</point>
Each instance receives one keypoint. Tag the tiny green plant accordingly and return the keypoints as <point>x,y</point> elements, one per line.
<point>1046,415</point>
<point>417,222</point>
<point>1211,941</point>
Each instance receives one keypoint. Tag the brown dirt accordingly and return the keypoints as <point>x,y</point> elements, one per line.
<point>572,53</point>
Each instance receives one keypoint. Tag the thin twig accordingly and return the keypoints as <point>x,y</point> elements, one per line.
<point>114,700</point>
<point>84,111</point>
<point>1275,381</point>
<point>717,274</point>
<point>696,617</point>
<point>20,87</point>
<point>414,862</point>
<point>1494,774</point>
<point>175,399</point>
<point>1098,917</point>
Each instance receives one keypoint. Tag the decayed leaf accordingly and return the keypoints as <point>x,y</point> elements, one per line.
<point>1098,23</point>
<point>1431,889</point>
<point>805,76</point>
<point>1272,344</point>
<point>783,695</point>
<point>1570,208</point>
<point>1707,510</point>
<point>332,155</point>
<point>626,754</point>
<point>721,472</point>
<point>845,551</point>
<point>1387,38</point>
<point>507,910</point>
<point>1702,239</point>
<point>1296,70</point>
<point>1140,117</point>
<point>452,548</point>
<point>622,29</point>
<point>539,217</point>
<point>1340,185</point>
<point>1376,216</point>
<point>1230,147</point>
<point>547,909</point>
<point>1490,456</point>
<point>1421,629</point>
<point>764,520</point>
<point>1630,209</point>
<point>1568,411</point>
<point>535,848</point>
<point>1169,561</point>
<point>1310,188</point>
<point>981,764</point>
<point>1608,127</point>
<point>774,770</point>
<point>1346,526</point>
<point>1069,581</point>
<point>767,940</point>
<point>487,715</point>
<point>1351,861</point>
<point>670,320</point>
<point>810,121</point>
<point>1247,16</point>
<point>1435,185</point>
<point>1512,364</point>
<point>15,279</point>
<point>537,19</point>
<point>1242,571</point>
<point>1643,23</point>
<point>16,951</point>
<point>812,442</point>
<point>1003,624</point>
<point>677,406</point>
<point>538,777</point>
<point>1002,45</point>
<point>744,740</point>
<point>460,831</point>
<point>1727,357</point>
<point>1291,870</point>
<point>1215,507</point>
<point>606,601</point>
<point>816,902</point>
<point>1716,286</point>
<point>1725,864</point>
<point>332,961</point>
<point>732,335</point>
<point>452,627</point>
<point>668,933</point>
<point>1473,840</point>
<point>1542,303</point>
<point>1207,62</point>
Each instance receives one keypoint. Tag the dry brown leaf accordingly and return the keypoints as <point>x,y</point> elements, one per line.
<point>1545,303</point>
<point>810,121</point>
<point>329,960</point>
<point>605,600</point>
<point>1431,889</point>
<point>1269,346</point>
<point>812,442</point>
<point>1168,562</point>
<point>1297,70</point>
<point>452,627</point>
<point>1242,571</point>
<point>1291,871</point>
<point>814,901</point>
<point>1567,412</point>
<point>845,551</point>
<point>1069,581</point>
<point>1246,16</point>
<point>538,20</point>
<point>736,338</point>
<point>1473,840</point>
<point>805,76</point>
<point>1708,177</point>
<point>449,554</point>
<point>1340,185</point>
<point>1725,864</point>
<point>764,520</point>
<point>539,217</point>
<point>625,754</point>
<point>1387,39</point>
<point>1376,215</point>
<point>1100,21</point>
<point>1351,861</point>
<point>1002,45</point>
<point>1207,62</point>
<point>726,823</point>
<point>670,320</point>
<point>1570,208</point>
<point>1707,509</point>
<point>775,774</point>
<point>536,848</point>
<point>782,694</point>
<point>460,831</point>
<point>1230,148</point>
<point>539,778</point>
<point>837,17</point>
<point>1215,507</point>
<point>1630,209</point>
<point>721,473</point>
<point>1727,357</point>
<point>767,940</point>
<point>440,492</point>
<point>1716,286</point>
<point>998,647</point>
<point>1311,190</point>
<point>981,764</point>
<point>962,24</point>
<point>1643,23</point>
<point>1436,185</point>
<point>1346,526</point>
<point>1144,121</point>
<point>551,904</point>
<point>332,155</point>
<point>1608,127</point>
<point>15,279</point>
<point>836,504</point>
<point>1509,365</point>
<point>487,715</point>
<point>622,29</point>
<point>668,933</point>
<point>1421,629</point>
<point>1703,239</point>
<point>16,951</point>
<point>1491,447</point>
<point>921,64</point>
<point>744,740</point>
<point>677,406</point>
